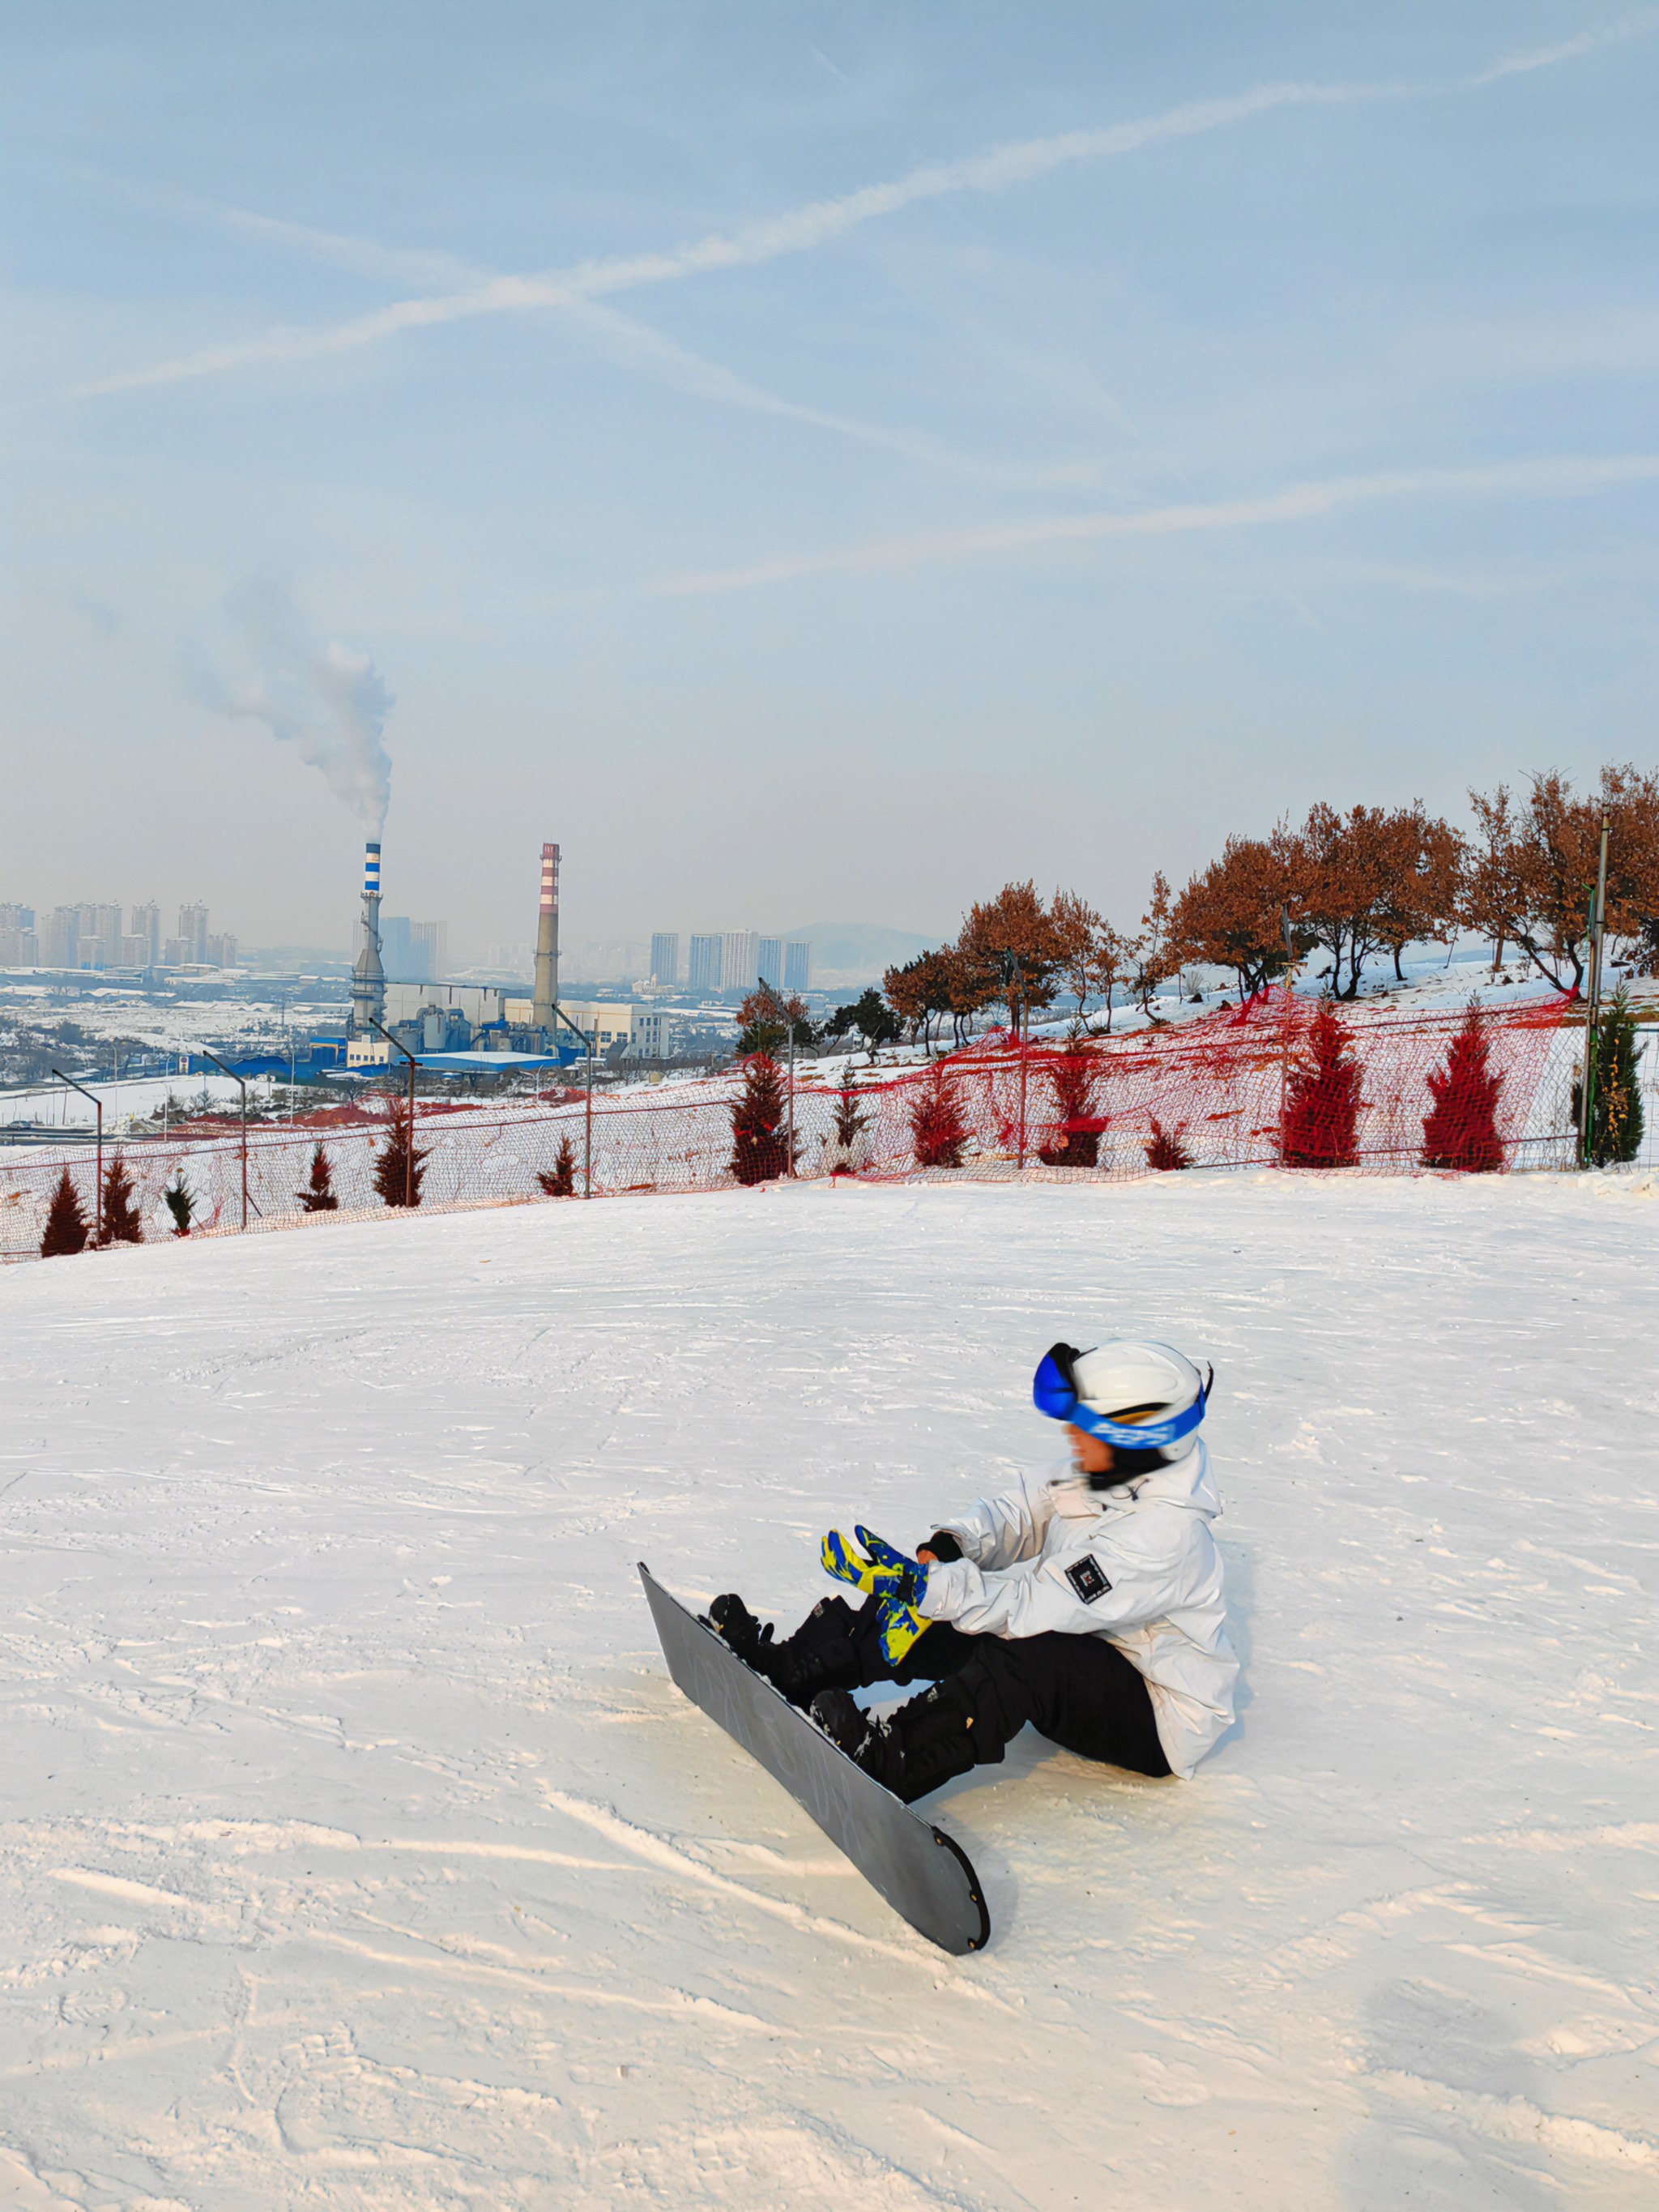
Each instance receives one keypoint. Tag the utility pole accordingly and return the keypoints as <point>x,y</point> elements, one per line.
<point>1593,1004</point>
<point>98,1108</point>
<point>242,1087</point>
<point>790,1018</point>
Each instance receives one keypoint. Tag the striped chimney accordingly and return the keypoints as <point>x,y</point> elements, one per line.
<point>368,977</point>
<point>547,942</point>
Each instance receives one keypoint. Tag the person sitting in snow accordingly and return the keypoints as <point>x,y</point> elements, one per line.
<point>1090,1605</point>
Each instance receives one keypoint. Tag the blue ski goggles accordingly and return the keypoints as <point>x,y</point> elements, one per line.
<point>1054,1392</point>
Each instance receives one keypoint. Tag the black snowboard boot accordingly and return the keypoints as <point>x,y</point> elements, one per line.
<point>821,1653</point>
<point>915,1749</point>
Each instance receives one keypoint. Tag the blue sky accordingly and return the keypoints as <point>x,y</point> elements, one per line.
<point>812,461</point>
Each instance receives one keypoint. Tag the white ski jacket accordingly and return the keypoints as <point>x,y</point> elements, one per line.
<point>1136,1564</point>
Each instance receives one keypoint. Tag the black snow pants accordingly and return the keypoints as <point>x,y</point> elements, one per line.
<point>1078,1691</point>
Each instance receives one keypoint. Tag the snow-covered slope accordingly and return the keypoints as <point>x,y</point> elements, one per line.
<point>355,1851</point>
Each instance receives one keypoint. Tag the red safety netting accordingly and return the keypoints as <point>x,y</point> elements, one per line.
<point>1281,1082</point>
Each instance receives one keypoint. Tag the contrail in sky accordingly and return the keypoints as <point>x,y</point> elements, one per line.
<point>798,231</point>
<point>1565,477</point>
<point>802,228</point>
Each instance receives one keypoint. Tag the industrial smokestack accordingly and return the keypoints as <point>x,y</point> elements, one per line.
<point>368,977</point>
<point>547,942</point>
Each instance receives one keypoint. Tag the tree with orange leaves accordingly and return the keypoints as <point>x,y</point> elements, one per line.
<point>1532,879</point>
<point>1424,860</point>
<point>1012,940</point>
<point>1231,914</point>
<point>1155,952</point>
<point>1093,958</point>
<point>1337,868</point>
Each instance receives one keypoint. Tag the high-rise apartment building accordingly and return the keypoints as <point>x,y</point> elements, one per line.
<point>220,952</point>
<point>707,963</point>
<point>739,960</point>
<point>146,924</point>
<point>665,957</point>
<point>98,935</point>
<point>430,941</point>
<point>769,962</point>
<point>193,932</point>
<point>60,937</point>
<point>398,955</point>
<point>18,945</point>
<point>413,952</point>
<point>798,966</point>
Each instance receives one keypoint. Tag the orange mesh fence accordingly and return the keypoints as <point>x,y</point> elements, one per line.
<point>1281,1082</point>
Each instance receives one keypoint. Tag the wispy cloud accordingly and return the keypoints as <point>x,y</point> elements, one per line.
<point>1537,58</point>
<point>799,230</point>
<point>634,344</point>
<point>1562,478</point>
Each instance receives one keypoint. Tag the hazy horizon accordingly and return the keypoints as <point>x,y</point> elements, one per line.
<point>804,459</point>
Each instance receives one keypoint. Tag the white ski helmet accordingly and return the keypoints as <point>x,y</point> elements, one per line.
<point>1145,1398</point>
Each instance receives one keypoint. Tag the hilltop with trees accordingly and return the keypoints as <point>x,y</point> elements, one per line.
<point>1349,885</point>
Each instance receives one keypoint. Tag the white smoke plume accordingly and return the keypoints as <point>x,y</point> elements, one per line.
<point>327,701</point>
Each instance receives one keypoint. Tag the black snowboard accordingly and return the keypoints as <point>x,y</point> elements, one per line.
<point>923,1874</point>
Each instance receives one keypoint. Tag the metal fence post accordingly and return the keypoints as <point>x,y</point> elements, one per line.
<point>1593,1006</point>
<point>409,1149</point>
<point>98,1108</point>
<point>559,1014</point>
<point>242,1087</point>
<point>790,1168</point>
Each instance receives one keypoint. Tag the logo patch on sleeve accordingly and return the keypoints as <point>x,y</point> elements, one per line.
<point>1087,1579</point>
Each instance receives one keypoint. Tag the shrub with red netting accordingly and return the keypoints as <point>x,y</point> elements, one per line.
<point>318,1196</point>
<point>760,1141</point>
<point>66,1227</point>
<point>937,1128</point>
<point>121,1223</point>
<point>1164,1151</point>
<point>397,1166</point>
<point>1074,1136</point>
<point>1459,1129</point>
<point>1322,1097</point>
<point>845,1150</point>
<point>560,1179</point>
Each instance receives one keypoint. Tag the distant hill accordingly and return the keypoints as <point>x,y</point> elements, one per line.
<point>860,950</point>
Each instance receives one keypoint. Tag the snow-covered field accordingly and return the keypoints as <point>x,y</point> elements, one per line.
<point>356,1852</point>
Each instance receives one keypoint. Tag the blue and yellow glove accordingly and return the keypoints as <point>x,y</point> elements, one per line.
<point>899,1626</point>
<point>883,1573</point>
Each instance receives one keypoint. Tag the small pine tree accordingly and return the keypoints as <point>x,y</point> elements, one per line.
<point>937,1128</point>
<point>1164,1151</point>
<point>1616,1116</point>
<point>560,1179</point>
<point>1322,1099</point>
<point>843,1150</point>
<point>1459,1129</point>
<point>1075,1142</point>
<point>180,1204</point>
<point>66,1225</point>
<point>398,1169</point>
<point>121,1223</point>
<point>318,1196</point>
<point>760,1142</point>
